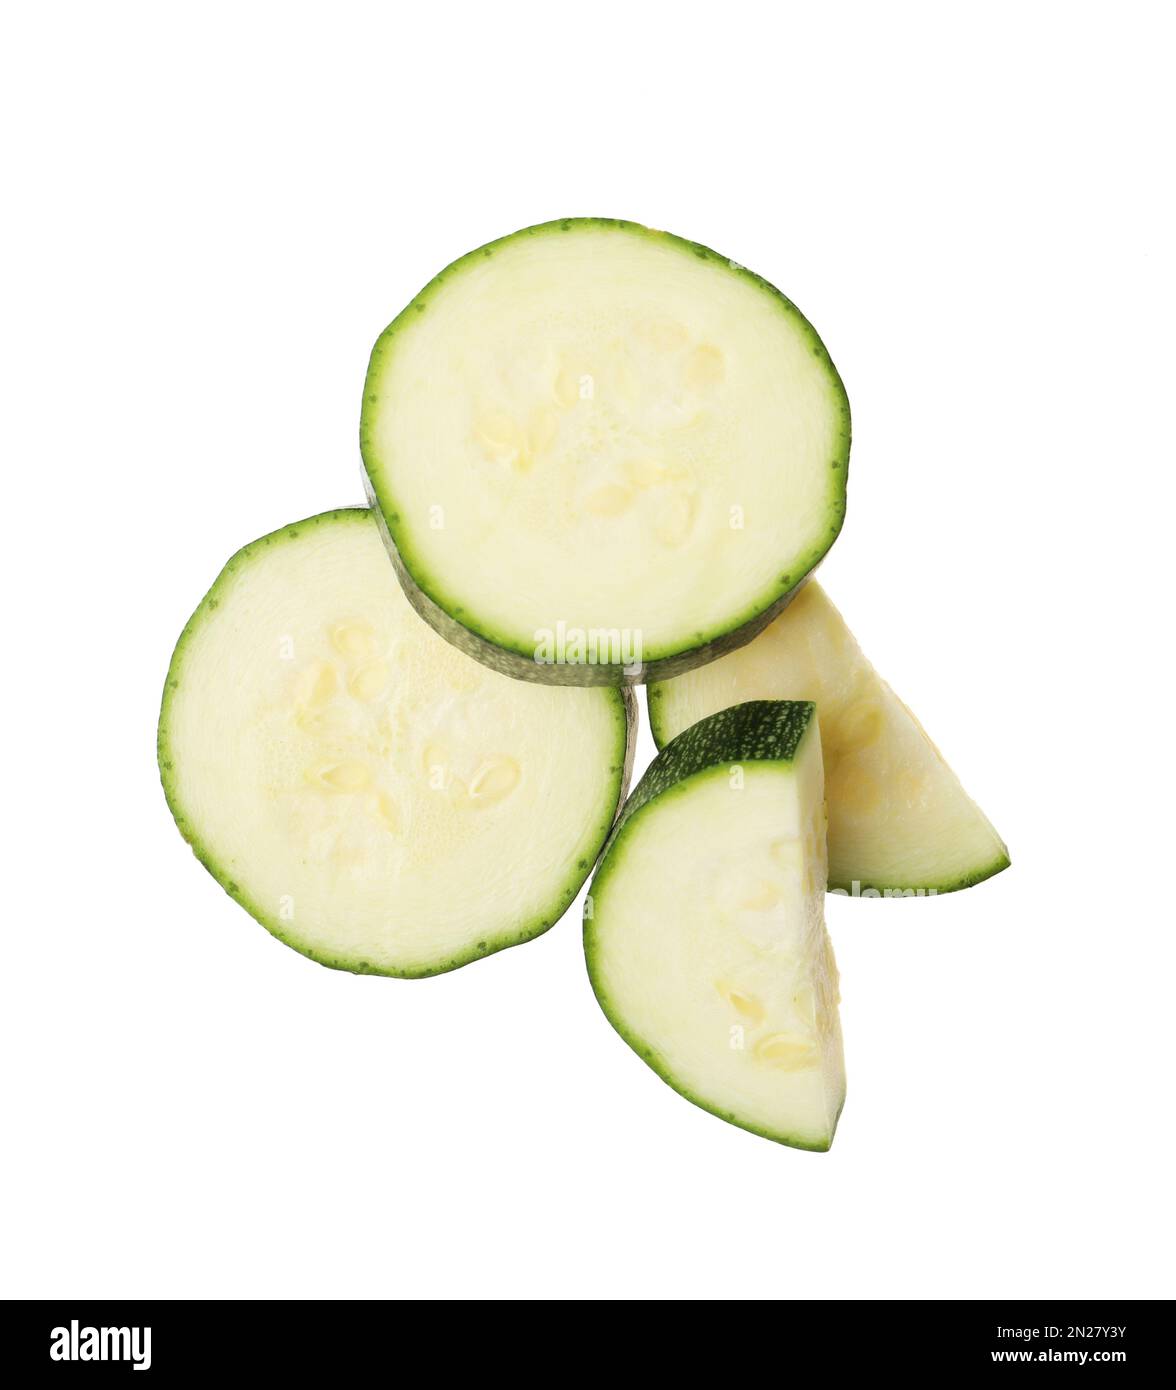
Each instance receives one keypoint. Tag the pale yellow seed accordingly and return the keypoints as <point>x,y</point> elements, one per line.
<point>621,375</point>
<point>804,1001</point>
<point>744,1004</point>
<point>369,681</point>
<point>315,685</point>
<point>567,387</point>
<point>663,335</point>
<point>674,520</point>
<point>346,777</point>
<point>785,1050</point>
<point>646,472</point>
<point>385,810</point>
<point>494,780</point>
<point>496,431</point>
<point>911,787</point>
<point>786,852</point>
<point>705,367</point>
<point>435,755</point>
<point>610,500</point>
<point>858,727</point>
<point>817,850</point>
<point>853,789</point>
<point>542,429</point>
<point>458,792</point>
<point>463,675</point>
<point>761,897</point>
<point>354,639</point>
<point>833,975</point>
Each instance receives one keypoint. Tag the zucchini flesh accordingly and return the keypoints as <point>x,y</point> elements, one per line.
<point>373,797</point>
<point>900,823</point>
<point>704,930</point>
<point>601,453</point>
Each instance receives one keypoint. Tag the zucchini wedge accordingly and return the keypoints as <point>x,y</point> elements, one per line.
<point>704,931</point>
<point>900,823</point>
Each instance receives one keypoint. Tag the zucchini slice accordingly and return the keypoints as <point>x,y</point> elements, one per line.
<point>900,823</point>
<point>601,453</point>
<point>704,931</point>
<point>374,798</point>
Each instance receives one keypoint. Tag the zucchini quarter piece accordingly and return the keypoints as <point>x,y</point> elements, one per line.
<point>602,453</point>
<point>899,821</point>
<point>705,933</point>
<point>374,798</point>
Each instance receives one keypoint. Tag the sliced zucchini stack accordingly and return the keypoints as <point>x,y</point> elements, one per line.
<point>704,931</point>
<point>899,820</point>
<point>602,453</point>
<point>373,797</point>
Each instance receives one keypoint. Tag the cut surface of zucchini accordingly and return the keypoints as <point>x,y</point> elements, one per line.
<point>601,453</point>
<point>900,823</point>
<point>704,930</point>
<point>372,796</point>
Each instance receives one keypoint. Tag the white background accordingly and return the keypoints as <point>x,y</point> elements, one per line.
<point>211,212</point>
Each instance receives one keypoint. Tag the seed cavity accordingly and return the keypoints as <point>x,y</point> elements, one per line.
<point>785,1051</point>
<point>369,681</point>
<point>494,780</point>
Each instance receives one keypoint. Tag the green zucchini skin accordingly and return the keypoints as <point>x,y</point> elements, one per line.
<point>463,630</point>
<point>626,717</point>
<point>757,731</point>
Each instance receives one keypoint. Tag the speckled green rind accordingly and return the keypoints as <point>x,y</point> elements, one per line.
<point>653,696</point>
<point>761,731</point>
<point>466,631</point>
<point>621,767</point>
<point>768,731</point>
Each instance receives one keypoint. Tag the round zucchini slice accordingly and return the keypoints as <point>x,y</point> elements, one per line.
<point>602,454</point>
<point>373,797</point>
